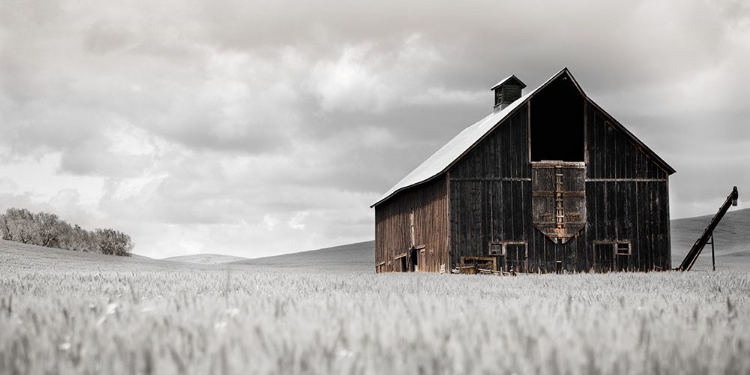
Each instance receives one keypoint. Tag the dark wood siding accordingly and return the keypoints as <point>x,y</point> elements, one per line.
<point>490,190</point>
<point>611,154</point>
<point>393,226</point>
<point>544,254</point>
<point>502,154</point>
<point>627,197</point>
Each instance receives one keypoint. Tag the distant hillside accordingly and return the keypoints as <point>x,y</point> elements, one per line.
<point>353,257</point>
<point>205,259</point>
<point>731,237</point>
<point>16,254</point>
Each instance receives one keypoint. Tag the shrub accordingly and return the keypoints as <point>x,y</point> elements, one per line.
<point>112,242</point>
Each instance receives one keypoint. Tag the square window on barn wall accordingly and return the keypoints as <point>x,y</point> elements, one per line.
<point>623,248</point>
<point>497,249</point>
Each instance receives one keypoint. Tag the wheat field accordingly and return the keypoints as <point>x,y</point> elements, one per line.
<point>151,317</point>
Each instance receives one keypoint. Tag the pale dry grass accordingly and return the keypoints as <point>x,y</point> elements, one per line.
<point>245,320</point>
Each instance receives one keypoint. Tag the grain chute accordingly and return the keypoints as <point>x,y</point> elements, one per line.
<point>708,234</point>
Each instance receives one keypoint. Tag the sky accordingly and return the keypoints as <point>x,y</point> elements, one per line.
<point>254,128</point>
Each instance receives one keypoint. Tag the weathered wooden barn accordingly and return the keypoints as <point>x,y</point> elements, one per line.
<point>548,182</point>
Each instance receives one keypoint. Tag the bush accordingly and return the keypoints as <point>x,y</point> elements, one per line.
<point>112,242</point>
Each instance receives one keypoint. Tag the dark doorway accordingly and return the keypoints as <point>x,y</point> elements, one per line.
<point>402,264</point>
<point>557,122</point>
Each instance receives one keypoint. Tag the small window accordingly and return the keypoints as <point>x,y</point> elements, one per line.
<point>497,249</point>
<point>623,248</point>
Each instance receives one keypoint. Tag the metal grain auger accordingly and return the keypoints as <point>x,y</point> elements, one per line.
<point>708,234</point>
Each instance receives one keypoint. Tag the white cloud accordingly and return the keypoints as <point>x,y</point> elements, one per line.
<point>349,85</point>
<point>298,220</point>
<point>270,221</point>
<point>365,78</point>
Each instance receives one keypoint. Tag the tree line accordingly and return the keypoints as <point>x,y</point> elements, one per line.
<point>45,229</point>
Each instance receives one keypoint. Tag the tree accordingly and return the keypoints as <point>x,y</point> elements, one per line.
<point>4,228</point>
<point>112,242</point>
<point>80,239</point>
<point>21,226</point>
<point>50,229</point>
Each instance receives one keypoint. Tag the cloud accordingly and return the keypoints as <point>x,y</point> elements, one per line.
<point>367,78</point>
<point>298,220</point>
<point>270,221</point>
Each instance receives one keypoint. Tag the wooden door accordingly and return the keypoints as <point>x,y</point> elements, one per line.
<point>558,199</point>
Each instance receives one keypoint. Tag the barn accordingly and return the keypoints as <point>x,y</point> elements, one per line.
<point>548,182</point>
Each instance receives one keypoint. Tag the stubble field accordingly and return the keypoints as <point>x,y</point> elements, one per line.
<point>94,315</point>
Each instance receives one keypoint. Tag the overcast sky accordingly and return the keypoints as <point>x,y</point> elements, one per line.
<point>261,127</point>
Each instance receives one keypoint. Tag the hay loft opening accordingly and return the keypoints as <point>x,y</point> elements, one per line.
<point>557,122</point>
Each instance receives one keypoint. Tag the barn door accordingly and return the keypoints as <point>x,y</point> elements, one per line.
<point>418,259</point>
<point>558,198</point>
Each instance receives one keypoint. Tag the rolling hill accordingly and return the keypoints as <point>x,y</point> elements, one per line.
<point>352,257</point>
<point>20,255</point>
<point>205,259</point>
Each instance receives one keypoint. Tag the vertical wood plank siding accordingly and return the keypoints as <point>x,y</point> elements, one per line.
<point>627,197</point>
<point>393,232</point>
<point>490,190</point>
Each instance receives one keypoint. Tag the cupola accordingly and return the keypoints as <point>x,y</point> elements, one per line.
<point>507,91</point>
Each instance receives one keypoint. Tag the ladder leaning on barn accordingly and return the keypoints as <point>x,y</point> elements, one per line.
<point>692,255</point>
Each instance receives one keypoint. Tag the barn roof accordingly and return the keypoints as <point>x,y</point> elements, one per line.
<point>452,151</point>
